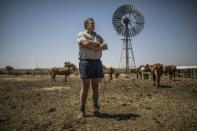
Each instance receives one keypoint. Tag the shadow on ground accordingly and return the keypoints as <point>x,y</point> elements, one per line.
<point>165,86</point>
<point>118,116</point>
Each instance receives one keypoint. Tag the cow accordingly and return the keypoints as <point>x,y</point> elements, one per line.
<point>61,71</point>
<point>139,72</point>
<point>109,71</point>
<point>171,70</point>
<point>156,70</point>
<point>144,73</point>
<point>27,73</point>
<point>116,74</point>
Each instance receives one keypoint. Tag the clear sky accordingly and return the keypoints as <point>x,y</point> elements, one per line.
<point>42,33</point>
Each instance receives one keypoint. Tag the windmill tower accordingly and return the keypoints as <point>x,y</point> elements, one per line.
<point>128,22</point>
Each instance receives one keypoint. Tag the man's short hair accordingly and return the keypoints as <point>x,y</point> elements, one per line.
<point>87,21</point>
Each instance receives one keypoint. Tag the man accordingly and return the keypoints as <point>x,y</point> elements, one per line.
<point>90,66</point>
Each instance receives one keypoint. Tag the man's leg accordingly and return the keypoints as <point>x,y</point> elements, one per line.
<point>95,94</point>
<point>85,83</point>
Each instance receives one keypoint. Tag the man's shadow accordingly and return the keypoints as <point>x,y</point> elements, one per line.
<point>118,116</point>
<point>165,86</point>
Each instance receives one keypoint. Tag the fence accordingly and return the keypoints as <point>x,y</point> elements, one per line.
<point>186,71</point>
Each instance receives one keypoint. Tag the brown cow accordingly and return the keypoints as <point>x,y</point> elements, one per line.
<point>171,70</point>
<point>61,71</point>
<point>109,71</point>
<point>156,71</point>
<point>117,74</point>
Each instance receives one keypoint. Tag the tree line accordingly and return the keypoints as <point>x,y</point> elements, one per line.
<point>10,70</point>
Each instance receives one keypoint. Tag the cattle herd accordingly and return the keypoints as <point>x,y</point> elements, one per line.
<point>148,71</point>
<point>152,72</point>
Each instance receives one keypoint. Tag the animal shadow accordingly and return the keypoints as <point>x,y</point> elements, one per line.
<point>176,80</point>
<point>118,116</point>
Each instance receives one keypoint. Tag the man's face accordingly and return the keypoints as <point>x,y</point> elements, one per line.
<point>90,26</point>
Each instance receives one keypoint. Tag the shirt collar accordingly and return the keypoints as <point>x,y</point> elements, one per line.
<point>91,33</point>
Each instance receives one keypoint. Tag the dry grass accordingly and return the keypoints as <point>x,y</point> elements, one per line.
<point>36,104</point>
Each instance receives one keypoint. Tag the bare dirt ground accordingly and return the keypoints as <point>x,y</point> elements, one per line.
<point>36,104</point>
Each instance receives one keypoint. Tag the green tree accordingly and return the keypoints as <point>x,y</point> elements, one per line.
<point>9,69</point>
<point>69,64</point>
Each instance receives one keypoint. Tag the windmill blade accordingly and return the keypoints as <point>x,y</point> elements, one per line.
<point>135,17</point>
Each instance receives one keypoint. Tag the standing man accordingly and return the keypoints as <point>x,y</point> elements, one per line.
<point>90,66</point>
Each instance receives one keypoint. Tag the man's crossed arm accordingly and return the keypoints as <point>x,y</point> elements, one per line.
<point>94,45</point>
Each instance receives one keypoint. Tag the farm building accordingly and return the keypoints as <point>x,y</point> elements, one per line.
<point>186,71</point>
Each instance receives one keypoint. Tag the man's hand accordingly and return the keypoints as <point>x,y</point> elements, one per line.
<point>103,46</point>
<point>89,43</point>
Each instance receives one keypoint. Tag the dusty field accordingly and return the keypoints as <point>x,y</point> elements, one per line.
<point>36,104</point>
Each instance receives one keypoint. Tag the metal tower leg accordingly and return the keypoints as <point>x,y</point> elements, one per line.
<point>127,59</point>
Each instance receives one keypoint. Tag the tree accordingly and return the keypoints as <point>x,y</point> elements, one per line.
<point>9,69</point>
<point>3,72</point>
<point>69,64</point>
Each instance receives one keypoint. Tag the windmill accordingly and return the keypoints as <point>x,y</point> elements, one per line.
<point>128,22</point>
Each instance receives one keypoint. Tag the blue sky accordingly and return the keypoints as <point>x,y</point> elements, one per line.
<point>42,33</point>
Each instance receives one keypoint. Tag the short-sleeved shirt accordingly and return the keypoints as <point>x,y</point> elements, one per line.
<point>86,53</point>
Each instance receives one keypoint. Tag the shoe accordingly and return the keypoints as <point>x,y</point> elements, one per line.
<point>96,111</point>
<point>81,115</point>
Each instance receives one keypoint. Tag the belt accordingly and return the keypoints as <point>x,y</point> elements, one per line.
<point>90,59</point>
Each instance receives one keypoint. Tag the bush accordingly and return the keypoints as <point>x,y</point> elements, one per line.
<point>9,69</point>
<point>69,64</point>
<point>3,72</point>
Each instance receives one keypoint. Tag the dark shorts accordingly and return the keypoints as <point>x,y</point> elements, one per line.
<point>91,69</point>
